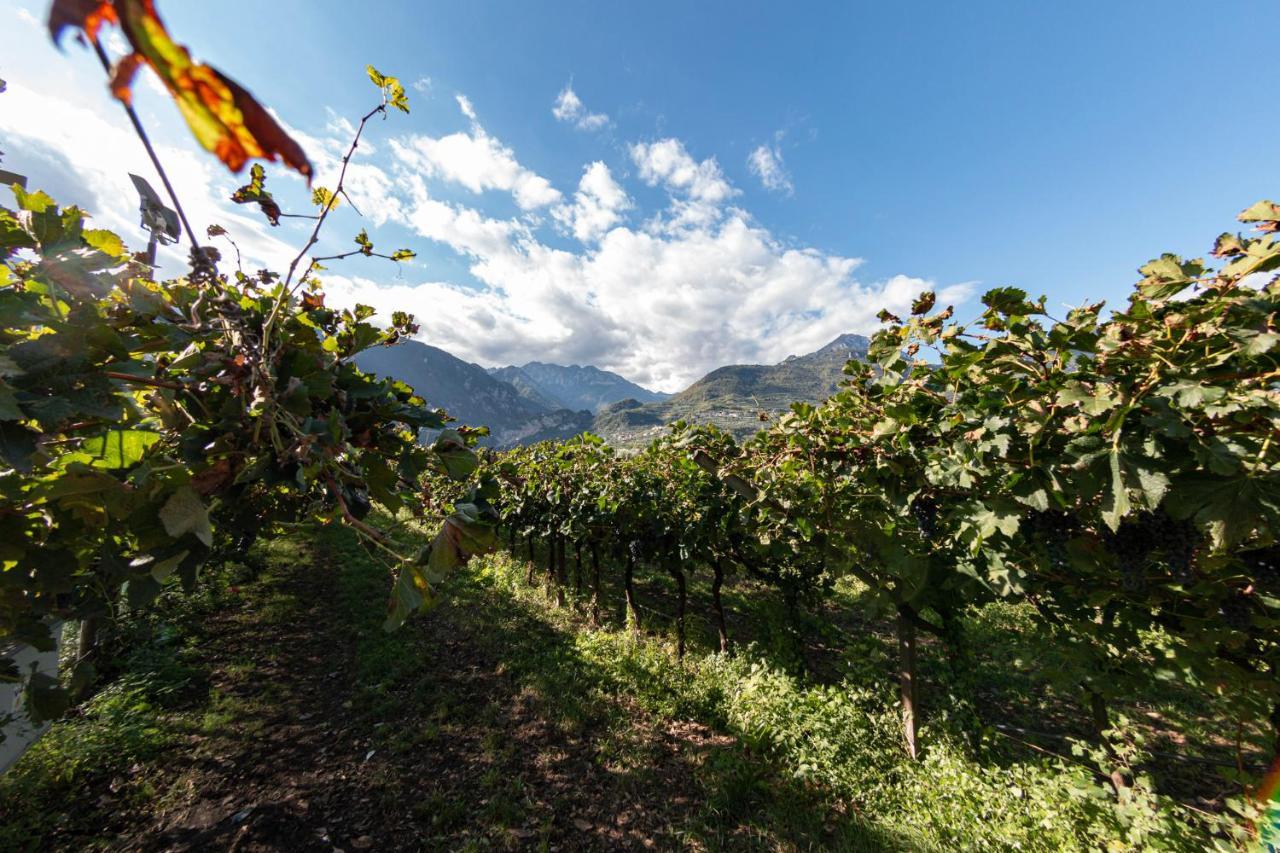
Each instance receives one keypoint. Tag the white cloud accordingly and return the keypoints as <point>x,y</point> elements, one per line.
<point>341,126</point>
<point>659,308</point>
<point>659,295</point>
<point>568,105</point>
<point>84,158</point>
<point>475,160</point>
<point>463,229</point>
<point>423,85</point>
<point>597,206</point>
<point>765,162</point>
<point>464,104</point>
<point>569,108</point>
<point>667,162</point>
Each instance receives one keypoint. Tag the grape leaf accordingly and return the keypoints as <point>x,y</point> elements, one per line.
<point>224,118</point>
<point>184,512</point>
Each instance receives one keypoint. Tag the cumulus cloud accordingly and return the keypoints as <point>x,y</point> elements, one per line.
<point>423,85</point>
<point>660,305</point>
<point>597,206</point>
<point>659,294</point>
<point>84,158</point>
<point>569,108</point>
<point>698,285</point>
<point>661,309</point>
<point>667,162</point>
<point>765,162</point>
<point>476,161</point>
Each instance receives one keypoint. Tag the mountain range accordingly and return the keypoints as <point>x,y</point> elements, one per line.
<point>536,401</point>
<point>574,387</point>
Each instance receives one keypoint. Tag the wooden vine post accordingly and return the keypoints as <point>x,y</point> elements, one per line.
<point>907,680</point>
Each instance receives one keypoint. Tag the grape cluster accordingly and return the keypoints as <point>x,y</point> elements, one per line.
<point>1236,611</point>
<point>1052,528</point>
<point>1178,538</point>
<point>1131,544</point>
<point>1149,533</point>
<point>1263,567</point>
<point>925,511</point>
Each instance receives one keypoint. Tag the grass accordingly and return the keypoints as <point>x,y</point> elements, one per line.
<point>502,721</point>
<point>838,742</point>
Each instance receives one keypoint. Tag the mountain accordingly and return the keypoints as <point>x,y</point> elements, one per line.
<point>573,387</point>
<point>468,393</point>
<point>537,401</point>
<point>733,397</point>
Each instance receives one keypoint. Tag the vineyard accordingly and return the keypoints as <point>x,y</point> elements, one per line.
<point>1016,584</point>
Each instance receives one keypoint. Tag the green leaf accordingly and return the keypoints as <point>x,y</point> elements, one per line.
<point>322,197</point>
<point>119,448</point>
<point>923,303</point>
<point>992,518</point>
<point>1006,300</point>
<point>107,242</point>
<point>1116,504</point>
<point>9,410</point>
<point>161,570</point>
<point>1166,276</point>
<point>392,89</point>
<point>1191,394</point>
<point>1091,402</point>
<point>36,202</point>
<point>1262,211</point>
<point>141,591</point>
<point>1231,508</point>
<point>184,513</point>
<point>458,460</point>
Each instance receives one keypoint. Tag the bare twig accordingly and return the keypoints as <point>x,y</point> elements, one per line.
<point>286,290</point>
<point>342,192</point>
<point>142,380</point>
<point>324,213</point>
<point>371,532</point>
<point>352,252</point>
<point>227,237</point>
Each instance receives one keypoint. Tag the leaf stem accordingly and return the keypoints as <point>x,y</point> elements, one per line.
<point>142,380</point>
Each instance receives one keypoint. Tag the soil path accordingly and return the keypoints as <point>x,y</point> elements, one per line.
<point>462,757</point>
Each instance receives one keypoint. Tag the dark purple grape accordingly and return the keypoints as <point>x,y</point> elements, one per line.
<point>1052,529</point>
<point>1132,544</point>
<point>925,511</point>
<point>1236,611</point>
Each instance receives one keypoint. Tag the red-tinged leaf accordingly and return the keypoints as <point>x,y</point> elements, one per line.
<point>122,75</point>
<point>255,191</point>
<point>222,115</point>
<point>86,15</point>
<point>270,138</point>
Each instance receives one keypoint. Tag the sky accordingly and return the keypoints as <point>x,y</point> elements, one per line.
<point>662,188</point>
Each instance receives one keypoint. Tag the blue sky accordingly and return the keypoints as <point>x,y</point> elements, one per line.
<point>1054,147</point>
